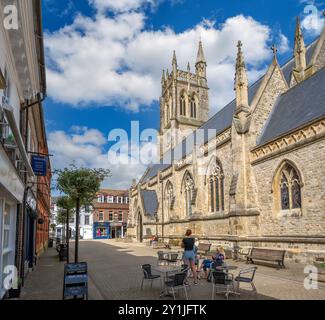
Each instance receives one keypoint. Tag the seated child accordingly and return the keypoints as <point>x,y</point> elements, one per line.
<point>217,259</point>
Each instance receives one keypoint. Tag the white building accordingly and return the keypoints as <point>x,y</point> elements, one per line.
<point>85,223</point>
<point>22,86</point>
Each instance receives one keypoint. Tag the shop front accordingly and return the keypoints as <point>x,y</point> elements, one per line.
<point>11,196</point>
<point>118,230</point>
<point>101,230</point>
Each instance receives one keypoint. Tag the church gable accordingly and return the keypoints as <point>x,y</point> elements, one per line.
<point>272,86</point>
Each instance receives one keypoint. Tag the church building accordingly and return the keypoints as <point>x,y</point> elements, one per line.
<point>251,175</point>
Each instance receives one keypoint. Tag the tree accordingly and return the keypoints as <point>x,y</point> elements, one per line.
<point>66,206</point>
<point>81,186</point>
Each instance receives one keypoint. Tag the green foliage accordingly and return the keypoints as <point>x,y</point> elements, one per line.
<point>80,183</point>
<point>65,202</point>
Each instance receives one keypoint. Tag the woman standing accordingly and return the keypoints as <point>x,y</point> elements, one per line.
<point>189,254</point>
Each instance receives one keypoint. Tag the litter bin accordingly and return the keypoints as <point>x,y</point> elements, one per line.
<point>50,245</point>
<point>63,253</point>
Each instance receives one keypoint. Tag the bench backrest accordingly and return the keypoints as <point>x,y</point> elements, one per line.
<point>267,253</point>
<point>204,247</point>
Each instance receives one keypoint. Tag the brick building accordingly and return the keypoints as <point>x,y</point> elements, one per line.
<point>43,204</point>
<point>110,214</point>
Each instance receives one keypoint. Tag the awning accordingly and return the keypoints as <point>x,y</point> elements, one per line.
<point>20,144</point>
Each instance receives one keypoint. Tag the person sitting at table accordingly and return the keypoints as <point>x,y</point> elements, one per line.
<point>217,259</point>
<point>188,244</point>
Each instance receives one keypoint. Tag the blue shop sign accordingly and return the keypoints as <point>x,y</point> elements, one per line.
<point>39,165</point>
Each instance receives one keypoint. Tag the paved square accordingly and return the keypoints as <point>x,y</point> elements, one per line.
<point>115,274</point>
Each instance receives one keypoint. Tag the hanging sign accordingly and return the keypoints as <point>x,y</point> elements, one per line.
<point>39,165</point>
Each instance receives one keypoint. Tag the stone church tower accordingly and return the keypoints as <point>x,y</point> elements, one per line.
<point>184,102</point>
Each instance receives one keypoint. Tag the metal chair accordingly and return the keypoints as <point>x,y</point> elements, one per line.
<point>178,282</point>
<point>173,259</point>
<point>147,275</point>
<point>246,276</point>
<point>223,280</point>
<point>162,259</point>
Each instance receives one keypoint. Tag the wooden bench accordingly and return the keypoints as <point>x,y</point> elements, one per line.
<point>270,255</point>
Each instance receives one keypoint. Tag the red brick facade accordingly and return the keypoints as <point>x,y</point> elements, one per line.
<point>43,208</point>
<point>112,206</point>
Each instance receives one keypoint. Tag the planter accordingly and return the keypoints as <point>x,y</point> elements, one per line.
<point>14,293</point>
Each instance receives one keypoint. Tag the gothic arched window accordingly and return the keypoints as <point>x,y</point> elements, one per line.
<point>189,192</point>
<point>193,107</point>
<point>182,105</point>
<point>216,188</point>
<point>290,188</point>
<point>169,199</point>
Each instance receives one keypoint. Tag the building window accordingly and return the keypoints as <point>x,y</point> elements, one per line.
<point>110,216</point>
<point>193,107</point>
<point>126,200</point>
<point>290,188</point>
<point>110,199</point>
<point>101,216</point>
<point>120,217</point>
<point>115,216</point>
<point>87,220</point>
<point>216,188</point>
<point>119,199</point>
<point>101,199</point>
<point>182,105</point>
<point>189,193</point>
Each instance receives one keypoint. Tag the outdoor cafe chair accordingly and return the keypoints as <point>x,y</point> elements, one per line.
<point>173,258</point>
<point>177,283</point>
<point>147,275</point>
<point>246,276</point>
<point>223,280</point>
<point>162,258</point>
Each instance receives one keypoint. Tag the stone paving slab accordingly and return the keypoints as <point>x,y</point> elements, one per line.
<point>115,274</point>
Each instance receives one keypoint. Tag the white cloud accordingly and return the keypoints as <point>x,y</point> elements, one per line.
<point>120,5</point>
<point>113,60</point>
<point>283,44</point>
<point>87,149</point>
<point>313,21</point>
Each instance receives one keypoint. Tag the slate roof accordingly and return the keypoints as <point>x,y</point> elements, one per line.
<point>298,106</point>
<point>223,120</point>
<point>150,202</point>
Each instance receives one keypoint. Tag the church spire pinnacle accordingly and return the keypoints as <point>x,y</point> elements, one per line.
<point>174,64</point>
<point>300,48</point>
<point>241,81</point>
<point>200,54</point>
<point>163,78</point>
<point>200,64</point>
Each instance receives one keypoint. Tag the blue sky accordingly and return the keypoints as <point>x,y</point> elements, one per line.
<point>104,61</point>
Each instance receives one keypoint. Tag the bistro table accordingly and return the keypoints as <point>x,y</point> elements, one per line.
<point>165,270</point>
<point>167,254</point>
